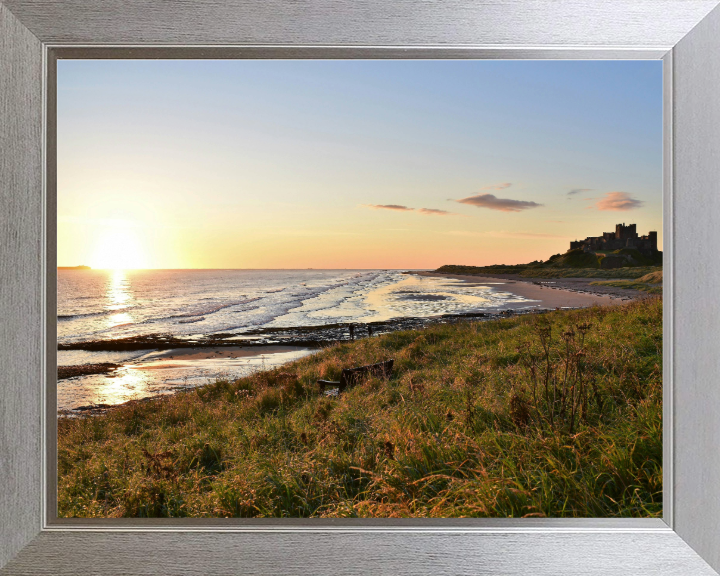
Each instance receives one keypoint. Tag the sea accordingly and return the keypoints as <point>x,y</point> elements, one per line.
<point>101,305</point>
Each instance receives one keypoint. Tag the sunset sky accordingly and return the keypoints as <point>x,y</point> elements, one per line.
<point>351,164</point>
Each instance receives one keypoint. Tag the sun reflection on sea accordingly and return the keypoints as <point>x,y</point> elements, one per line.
<point>127,385</point>
<point>169,371</point>
<point>119,320</point>
<point>118,296</point>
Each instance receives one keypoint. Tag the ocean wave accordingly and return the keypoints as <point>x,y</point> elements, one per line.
<point>233,303</point>
<point>202,312</point>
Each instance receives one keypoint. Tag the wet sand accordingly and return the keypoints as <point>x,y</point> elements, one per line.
<point>551,293</point>
<point>412,289</point>
<point>169,371</point>
<point>215,353</point>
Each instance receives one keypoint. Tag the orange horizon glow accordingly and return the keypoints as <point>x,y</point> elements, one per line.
<point>130,245</point>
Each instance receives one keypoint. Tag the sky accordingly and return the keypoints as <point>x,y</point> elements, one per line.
<point>351,164</point>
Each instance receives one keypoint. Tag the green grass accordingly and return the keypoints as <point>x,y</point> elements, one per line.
<point>547,415</point>
<point>630,284</point>
<point>533,271</point>
<point>638,259</point>
<point>577,259</point>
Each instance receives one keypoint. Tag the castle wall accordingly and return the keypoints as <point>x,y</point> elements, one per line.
<point>623,237</point>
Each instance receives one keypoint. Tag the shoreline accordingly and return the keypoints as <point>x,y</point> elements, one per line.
<point>538,294</point>
<point>305,336</point>
<point>570,292</point>
<point>159,373</point>
<point>171,362</point>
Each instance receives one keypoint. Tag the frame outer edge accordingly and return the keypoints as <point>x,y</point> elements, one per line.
<point>20,279</point>
<point>598,554</point>
<point>374,22</point>
<point>696,175</point>
<point>20,284</point>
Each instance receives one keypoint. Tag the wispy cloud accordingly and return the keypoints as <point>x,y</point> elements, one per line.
<point>500,186</point>
<point>396,207</point>
<point>579,191</point>
<point>112,222</point>
<point>120,223</point>
<point>502,204</point>
<point>400,208</point>
<point>618,202</point>
<point>504,234</point>
<point>436,212</point>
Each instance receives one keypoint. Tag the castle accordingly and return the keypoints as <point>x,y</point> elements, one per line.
<point>623,237</point>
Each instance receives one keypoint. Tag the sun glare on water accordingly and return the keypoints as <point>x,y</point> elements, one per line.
<point>119,248</point>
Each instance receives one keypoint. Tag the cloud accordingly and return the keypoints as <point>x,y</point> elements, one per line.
<point>400,208</point>
<point>436,212</point>
<point>579,190</point>
<point>526,235</point>
<point>505,234</point>
<point>500,186</point>
<point>493,203</point>
<point>396,207</point>
<point>618,202</point>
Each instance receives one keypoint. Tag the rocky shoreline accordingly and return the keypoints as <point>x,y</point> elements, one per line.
<point>98,409</point>
<point>306,336</point>
<point>84,369</point>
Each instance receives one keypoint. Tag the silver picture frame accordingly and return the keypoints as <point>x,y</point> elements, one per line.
<point>684,34</point>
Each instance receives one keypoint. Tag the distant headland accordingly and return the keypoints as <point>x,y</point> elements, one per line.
<point>74,268</point>
<point>623,252</point>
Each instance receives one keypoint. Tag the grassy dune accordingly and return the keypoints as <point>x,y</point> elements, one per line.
<point>652,278</point>
<point>648,283</point>
<point>530,271</point>
<point>552,415</point>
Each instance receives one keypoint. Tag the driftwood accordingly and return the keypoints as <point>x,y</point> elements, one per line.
<point>351,376</point>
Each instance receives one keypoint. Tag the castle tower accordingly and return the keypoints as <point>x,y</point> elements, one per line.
<point>623,232</point>
<point>653,239</point>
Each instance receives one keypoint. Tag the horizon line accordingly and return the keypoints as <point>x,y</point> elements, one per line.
<point>82,267</point>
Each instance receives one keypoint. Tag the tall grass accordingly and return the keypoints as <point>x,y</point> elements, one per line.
<point>540,271</point>
<point>651,288</point>
<point>558,416</point>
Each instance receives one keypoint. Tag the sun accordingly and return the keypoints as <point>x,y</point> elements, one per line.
<point>118,247</point>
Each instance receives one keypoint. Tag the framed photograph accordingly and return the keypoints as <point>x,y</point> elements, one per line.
<point>420,290</point>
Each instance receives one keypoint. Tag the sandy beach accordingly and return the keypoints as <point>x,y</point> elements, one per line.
<point>552,293</point>
<point>161,358</point>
